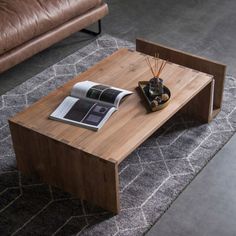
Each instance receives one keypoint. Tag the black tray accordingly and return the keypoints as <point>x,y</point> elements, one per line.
<point>143,85</point>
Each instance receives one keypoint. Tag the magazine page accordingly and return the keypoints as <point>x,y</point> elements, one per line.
<point>95,91</point>
<point>83,112</point>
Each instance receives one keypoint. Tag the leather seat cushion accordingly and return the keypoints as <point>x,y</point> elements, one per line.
<point>22,20</point>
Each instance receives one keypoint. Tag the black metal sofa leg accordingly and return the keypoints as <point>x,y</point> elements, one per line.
<point>93,32</point>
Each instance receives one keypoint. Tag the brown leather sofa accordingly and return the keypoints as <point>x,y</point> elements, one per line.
<point>29,26</point>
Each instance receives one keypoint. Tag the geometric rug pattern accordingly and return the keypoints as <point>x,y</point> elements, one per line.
<point>150,178</point>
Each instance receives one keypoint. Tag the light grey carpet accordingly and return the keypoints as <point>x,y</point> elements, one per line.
<point>150,178</point>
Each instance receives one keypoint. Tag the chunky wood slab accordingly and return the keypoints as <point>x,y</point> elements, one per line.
<point>85,162</point>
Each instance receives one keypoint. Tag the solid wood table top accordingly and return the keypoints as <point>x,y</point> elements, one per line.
<point>127,128</point>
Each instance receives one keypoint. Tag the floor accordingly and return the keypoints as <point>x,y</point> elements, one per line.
<point>206,28</point>
<point>208,205</point>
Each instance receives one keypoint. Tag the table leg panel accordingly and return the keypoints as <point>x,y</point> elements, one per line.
<point>84,175</point>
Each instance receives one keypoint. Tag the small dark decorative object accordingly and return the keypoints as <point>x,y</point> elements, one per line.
<point>155,87</point>
<point>156,94</point>
<point>155,103</point>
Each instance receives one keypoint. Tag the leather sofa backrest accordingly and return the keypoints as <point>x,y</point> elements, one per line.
<point>22,20</point>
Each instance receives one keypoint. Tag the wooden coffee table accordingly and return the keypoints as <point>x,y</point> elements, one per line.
<point>84,162</point>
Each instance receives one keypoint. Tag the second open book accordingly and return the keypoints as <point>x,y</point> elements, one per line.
<point>89,105</point>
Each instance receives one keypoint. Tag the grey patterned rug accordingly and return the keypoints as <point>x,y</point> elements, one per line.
<point>150,178</point>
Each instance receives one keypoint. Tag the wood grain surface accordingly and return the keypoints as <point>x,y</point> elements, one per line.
<point>85,176</point>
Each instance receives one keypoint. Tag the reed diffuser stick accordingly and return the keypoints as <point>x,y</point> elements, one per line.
<point>156,71</point>
<point>150,66</point>
<point>161,69</point>
<point>157,60</point>
<point>155,64</point>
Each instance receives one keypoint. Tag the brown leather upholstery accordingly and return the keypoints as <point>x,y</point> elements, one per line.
<point>22,20</point>
<point>29,26</point>
<point>41,42</point>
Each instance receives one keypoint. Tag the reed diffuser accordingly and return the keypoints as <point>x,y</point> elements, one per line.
<point>156,83</point>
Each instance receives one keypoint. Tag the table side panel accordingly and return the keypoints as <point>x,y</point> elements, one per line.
<point>85,176</point>
<point>200,107</point>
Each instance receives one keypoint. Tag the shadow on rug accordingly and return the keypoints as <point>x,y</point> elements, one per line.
<point>150,178</point>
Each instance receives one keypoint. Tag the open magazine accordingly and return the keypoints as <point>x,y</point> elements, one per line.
<point>89,105</point>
